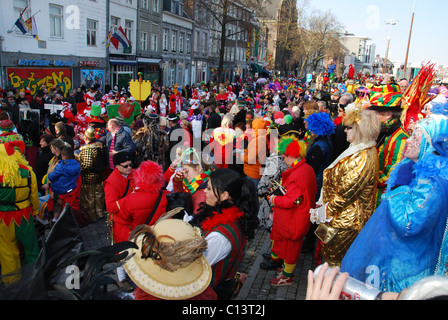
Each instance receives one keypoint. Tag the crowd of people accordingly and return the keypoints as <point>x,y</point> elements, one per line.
<point>325,169</point>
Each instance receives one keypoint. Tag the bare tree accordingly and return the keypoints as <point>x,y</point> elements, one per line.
<point>314,39</point>
<point>224,12</point>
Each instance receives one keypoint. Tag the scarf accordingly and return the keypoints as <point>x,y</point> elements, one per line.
<point>228,215</point>
<point>196,182</point>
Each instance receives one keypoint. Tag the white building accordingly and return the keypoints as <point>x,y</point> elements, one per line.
<point>177,41</point>
<point>69,48</point>
<point>123,63</point>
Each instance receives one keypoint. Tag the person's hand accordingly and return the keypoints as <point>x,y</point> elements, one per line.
<point>111,153</point>
<point>322,288</point>
<point>180,175</point>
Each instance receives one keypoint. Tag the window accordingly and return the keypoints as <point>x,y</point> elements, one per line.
<point>181,42</point>
<point>188,43</point>
<point>128,29</point>
<point>155,41</point>
<point>174,41</point>
<point>91,32</point>
<point>155,5</point>
<point>165,39</point>
<point>196,41</point>
<point>204,43</point>
<point>145,4</point>
<point>19,5</point>
<point>144,41</point>
<point>56,21</point>
<point>114,24</point>
<point>128,1</point>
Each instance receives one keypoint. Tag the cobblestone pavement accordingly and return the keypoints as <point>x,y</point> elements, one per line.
<point>256,286</point>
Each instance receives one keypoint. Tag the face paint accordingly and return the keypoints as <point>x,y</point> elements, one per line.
<point>413,145</point>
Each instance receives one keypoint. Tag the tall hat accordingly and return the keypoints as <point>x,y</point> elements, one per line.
<point>417,96</point>
<point>385,97</point>
<point>95,113</point>
<point>170,263</point>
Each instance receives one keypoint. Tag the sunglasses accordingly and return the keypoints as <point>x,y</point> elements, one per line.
<point>126,166</point>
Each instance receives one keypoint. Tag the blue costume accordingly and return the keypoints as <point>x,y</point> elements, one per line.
<point>405,239</point>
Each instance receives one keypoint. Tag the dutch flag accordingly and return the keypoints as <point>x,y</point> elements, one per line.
<point>121,37</point>
<point>20,23</point>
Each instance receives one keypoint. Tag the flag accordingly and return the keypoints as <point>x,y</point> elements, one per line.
<point>21,25</point>
<point>34,30</point>
<point>31,25</point>
<point>121,37</point>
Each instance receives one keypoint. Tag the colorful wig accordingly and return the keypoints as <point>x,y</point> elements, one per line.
<point>292,147</point>
<point>320,124</point>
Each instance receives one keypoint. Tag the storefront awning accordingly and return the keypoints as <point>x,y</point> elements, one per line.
<point>123,62</point>
<point>148,60</point>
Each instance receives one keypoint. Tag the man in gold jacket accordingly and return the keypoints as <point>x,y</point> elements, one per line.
<point>349,187</point>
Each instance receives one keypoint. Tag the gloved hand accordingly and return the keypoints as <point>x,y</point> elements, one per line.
<point>319,215</point>
<point>405,174</point>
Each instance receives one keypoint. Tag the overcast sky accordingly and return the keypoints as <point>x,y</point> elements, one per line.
<point>429,41</point>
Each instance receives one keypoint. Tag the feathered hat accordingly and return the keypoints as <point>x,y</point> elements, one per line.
<point>290,146</point>
<point>170,262</point>
<point>417,96</point>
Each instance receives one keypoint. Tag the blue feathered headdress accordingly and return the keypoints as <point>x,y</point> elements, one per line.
<point>320,124</point>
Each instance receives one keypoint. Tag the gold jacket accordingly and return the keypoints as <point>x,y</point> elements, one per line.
<point>87,157</point>
<point>349,188</point>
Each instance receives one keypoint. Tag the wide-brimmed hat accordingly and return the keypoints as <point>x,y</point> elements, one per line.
<point>174,267</point>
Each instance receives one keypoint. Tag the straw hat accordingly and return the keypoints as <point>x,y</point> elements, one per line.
<point>179,269</point>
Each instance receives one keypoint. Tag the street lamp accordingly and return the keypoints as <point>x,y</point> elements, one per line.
<point>390,22</point>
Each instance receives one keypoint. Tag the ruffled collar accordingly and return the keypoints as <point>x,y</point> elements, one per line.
<point>428,167</point>
<point>227,216</point>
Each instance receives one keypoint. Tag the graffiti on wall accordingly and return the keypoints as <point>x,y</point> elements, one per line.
<point>34,78</point>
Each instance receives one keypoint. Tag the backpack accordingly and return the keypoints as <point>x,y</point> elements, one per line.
<point>100,163</point>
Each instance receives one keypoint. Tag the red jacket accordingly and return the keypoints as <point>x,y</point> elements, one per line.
<point>135,209</point>
<point>292,222</point>
<point>114,188</point>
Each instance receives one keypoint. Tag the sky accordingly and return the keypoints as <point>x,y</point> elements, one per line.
<point>368,18</point>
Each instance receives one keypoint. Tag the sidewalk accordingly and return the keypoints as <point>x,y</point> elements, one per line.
<point>256,286</point>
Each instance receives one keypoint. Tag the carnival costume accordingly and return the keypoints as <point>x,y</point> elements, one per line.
<point>151,142</point>
<point>348,196</point>
<point>392,139</point>
<point>405,239</point>
<point>135,208</point>
<point>92,192</point>
<point>291,211</point>
<point>20,203</point>
<point>196,187</point>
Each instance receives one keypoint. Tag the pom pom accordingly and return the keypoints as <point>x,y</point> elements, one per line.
<point>149,177</point>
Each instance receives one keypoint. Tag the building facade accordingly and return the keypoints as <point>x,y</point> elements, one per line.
<point>66,50</point>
